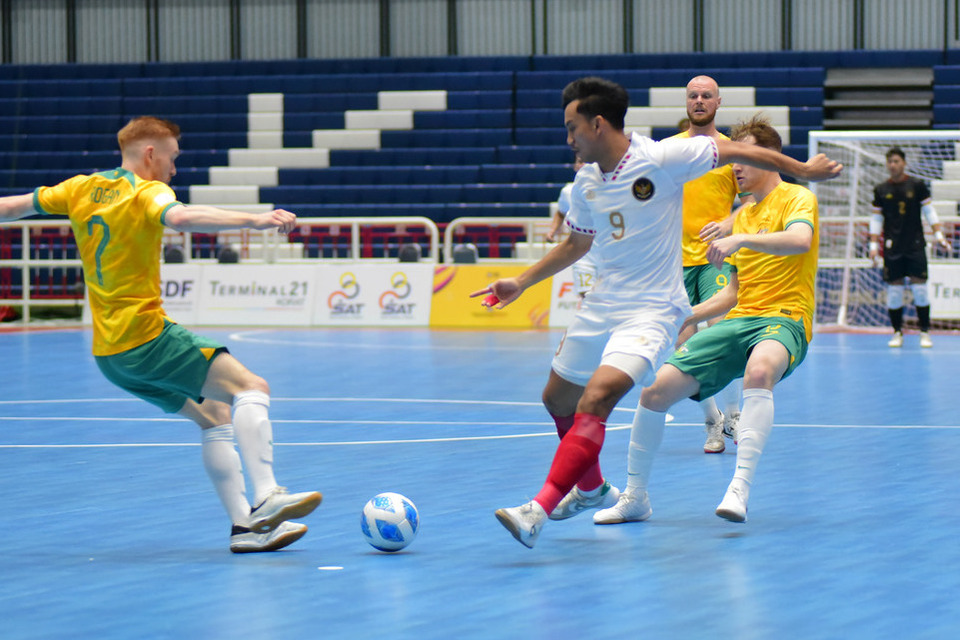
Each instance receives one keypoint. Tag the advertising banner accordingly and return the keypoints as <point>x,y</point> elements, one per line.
<point>563,300</point>
<point>266,294</point>
<point>180,290</point>
<point>373,295</point>
<point>453,307</point>
<point>944,286</point>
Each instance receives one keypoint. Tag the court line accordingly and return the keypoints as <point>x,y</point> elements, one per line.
<point>244,337</point>
<point>503,403</point>
<point>544,434</point>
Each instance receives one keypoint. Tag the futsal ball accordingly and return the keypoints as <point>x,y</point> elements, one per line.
<point>389,521</point>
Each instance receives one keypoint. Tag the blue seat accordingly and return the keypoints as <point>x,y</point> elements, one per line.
<point>539,173</point>
<point>532,154</point>
<point>446,137</point>
<point>494,99</point>
<point>421,156</point>
<point>463,119</point>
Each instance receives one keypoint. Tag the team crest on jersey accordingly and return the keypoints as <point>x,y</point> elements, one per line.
<point>642,189</point>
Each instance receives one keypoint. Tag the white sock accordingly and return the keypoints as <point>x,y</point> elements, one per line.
<point>254,432</point>
<point>731,397</point>
<point>710,410</point>
<point>756,423</point>
<point>222,463</point>
<point>645,438</point>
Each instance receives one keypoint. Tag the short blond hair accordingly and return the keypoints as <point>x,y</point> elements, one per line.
<point>146,128</point>
<point>762,131</point>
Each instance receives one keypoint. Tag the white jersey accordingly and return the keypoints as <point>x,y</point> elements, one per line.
<point>563,202</point>
<point>635,215</point>
<point>585,275</point>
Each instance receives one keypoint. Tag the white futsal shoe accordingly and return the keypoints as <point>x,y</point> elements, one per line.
<point>714,442</point>
<point>730,423</point>
<point>524,522</point>
<point>896,341</point>
<point>633,506</point>
<point>925,340</point>
<point>575,502</point>
<point>280,506</point>
<point>242,540</point>
<point>733,507</point>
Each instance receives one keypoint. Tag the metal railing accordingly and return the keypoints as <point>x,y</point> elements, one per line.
<point>41,255</point>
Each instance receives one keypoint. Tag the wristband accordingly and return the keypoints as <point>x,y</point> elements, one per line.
<point>874,246</point>
<point>938,235</point>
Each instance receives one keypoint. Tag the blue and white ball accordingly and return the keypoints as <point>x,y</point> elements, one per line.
<point>389,521</point>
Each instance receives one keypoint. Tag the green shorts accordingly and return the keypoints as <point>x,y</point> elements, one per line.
<point>165,371</point>
<point>718,354</point>
<point>704,281</point>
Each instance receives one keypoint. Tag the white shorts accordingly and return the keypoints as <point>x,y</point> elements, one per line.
<point>584,274</point>
<point>634,337</point>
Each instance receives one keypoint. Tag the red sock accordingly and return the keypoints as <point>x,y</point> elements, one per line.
<point>593,478</point>
<point>564,424</point>
<point>579,450</point>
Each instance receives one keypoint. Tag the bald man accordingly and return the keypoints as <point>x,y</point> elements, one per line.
<point>707,206</point>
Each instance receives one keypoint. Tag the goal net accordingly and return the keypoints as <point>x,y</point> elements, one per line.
<point>851,293</point>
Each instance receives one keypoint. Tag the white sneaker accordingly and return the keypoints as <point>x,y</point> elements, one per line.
<point>631,507</point>
<point>714,442</point>
<point>925,340</point>
<point>730,424</point>
<point>242,540</point>
<point>733,507</point>
<point>575,502</point>
<point>524,522</point>
<point>896,341</point>
<point>279,506</point>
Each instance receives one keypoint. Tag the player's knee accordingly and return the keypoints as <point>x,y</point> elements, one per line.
<point>598,401</point>
<point>758,375</point>
<point>256,383</point>
<point>654,399</point>
<point>921,294</point>
<point>894,296</point>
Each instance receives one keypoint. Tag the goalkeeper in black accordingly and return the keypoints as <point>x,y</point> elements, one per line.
<point>900,205</point>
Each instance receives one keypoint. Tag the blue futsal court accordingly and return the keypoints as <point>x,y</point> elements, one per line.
<point>114,532</point>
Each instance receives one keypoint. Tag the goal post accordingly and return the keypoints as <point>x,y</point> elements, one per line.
<point>851,293</point>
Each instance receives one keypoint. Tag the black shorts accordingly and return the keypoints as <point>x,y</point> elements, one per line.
<point>909,265</point>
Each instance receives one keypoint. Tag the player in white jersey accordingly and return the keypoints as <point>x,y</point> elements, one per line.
<point>628,203</point>
<point>584,269</point>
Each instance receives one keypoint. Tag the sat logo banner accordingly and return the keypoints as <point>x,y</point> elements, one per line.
<point>373,294</point>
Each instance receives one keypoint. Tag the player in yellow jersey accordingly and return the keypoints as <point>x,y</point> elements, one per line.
<point>707,204</point>
<point>769,305</point>
<point>118,218</point>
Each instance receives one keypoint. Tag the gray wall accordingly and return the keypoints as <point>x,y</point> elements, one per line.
<point>47,31</point>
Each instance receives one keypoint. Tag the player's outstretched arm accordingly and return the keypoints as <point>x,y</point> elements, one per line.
<point>16,207</point>
<point>207,219</point>
<point>504,291</point>
<point>817,168</point>
<point>716,305</point>
<point>795,239</point>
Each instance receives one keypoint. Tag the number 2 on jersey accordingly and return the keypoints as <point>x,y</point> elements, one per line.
<point>98,221</point>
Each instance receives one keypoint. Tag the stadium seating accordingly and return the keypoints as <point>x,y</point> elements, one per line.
<point>441,137</point>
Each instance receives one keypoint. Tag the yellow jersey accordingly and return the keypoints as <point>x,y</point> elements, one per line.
<point>778,286</point>
<point>709,198</point>
<point>117,221</point>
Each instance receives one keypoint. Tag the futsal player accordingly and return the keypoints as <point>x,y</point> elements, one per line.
<point>628,202</point>
<point>707,205</point>
<point>584,269</point>
<point>769,306</point>
<point>900,204</point>
<point>118,218</point>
